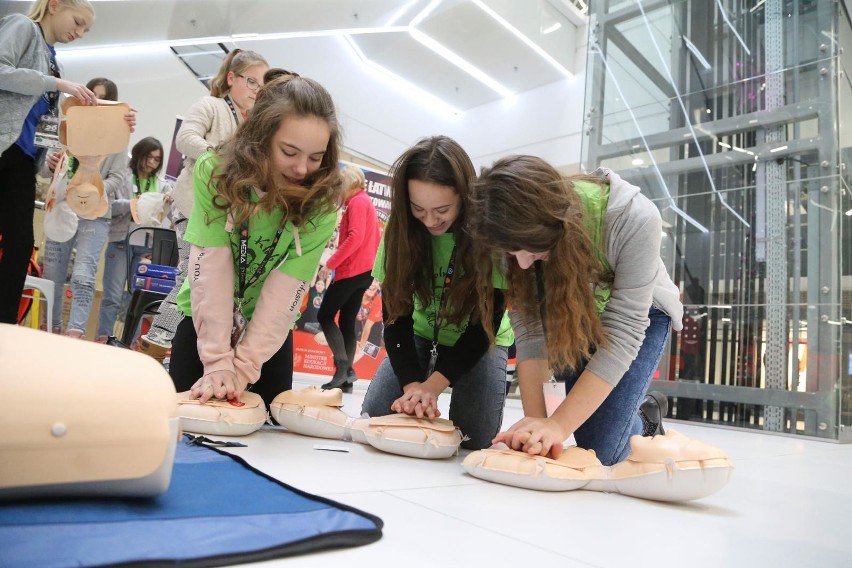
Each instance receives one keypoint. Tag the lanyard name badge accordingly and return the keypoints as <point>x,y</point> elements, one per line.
<point>554,392</point>
<point>233,109</point>
<point>448,279</point>
<point>239,326</point>
<point>47,127</point>
<point>137,190</point>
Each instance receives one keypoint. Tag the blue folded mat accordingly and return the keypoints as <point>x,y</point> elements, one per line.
<point>218,510</point>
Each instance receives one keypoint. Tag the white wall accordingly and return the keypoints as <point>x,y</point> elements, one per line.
<point>545,122</point>
<point>153,81</point>
<point>380,117</point>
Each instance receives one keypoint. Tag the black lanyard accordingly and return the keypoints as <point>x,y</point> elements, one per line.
<point>138,189</point>
<point>448,279</point>
<point>233,109</point>
<point>244,239</point>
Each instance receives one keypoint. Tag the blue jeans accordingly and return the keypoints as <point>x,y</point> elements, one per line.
<point>609,429</point>
<point>477,401</point>
<point>89,239</point>
<point>115,283</point>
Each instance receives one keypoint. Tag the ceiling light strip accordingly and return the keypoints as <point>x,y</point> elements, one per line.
<point>424,96</point>
<point>243,38</point>
<point>424,13</point>
<point>400,13</point>
<point>527,41</point>
<point>460,62</point>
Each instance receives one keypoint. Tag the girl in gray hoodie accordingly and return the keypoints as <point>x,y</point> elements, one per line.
<point>596,308</point>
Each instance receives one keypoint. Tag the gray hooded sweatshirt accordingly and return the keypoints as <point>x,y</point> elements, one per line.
<point>632,232</point>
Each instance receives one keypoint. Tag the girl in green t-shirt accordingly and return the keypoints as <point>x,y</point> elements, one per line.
<point>433,334</point>
<point>265,206</point>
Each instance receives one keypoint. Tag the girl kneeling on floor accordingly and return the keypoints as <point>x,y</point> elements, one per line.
<point>265,206</point>
<point>433,334</point>
<point>596,308</point>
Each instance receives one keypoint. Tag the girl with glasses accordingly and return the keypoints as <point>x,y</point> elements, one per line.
<point>210,121</point>
<point>146,163</point>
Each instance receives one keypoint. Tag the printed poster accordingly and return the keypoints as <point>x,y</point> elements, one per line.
<point>310,349</point>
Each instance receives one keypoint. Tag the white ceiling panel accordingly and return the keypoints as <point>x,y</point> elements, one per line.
<point>543,24</point>
<point>460,26</point>
<point>478,38</point>
<point>397,51</point>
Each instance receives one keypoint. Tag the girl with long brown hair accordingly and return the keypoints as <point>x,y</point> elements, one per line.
<point>210,121</point>
<point>434,334</point>
<point>265,207</point>
<point>595,310</point>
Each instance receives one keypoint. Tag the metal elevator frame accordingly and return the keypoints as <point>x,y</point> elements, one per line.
<point>728,114</point>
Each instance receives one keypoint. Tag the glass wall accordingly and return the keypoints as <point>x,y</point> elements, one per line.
<point>734,117</point>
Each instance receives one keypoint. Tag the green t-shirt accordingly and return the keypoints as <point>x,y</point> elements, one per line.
<point>206,228</point>
<point>424,318</point>
<point>595,199</point>
<point>150,185</point>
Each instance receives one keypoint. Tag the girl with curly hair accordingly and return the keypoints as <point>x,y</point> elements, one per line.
<point>596,309</point>
<point>212,119</point>
<point>265,206</point>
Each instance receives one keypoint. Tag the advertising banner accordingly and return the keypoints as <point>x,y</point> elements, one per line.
<point>310,350</point>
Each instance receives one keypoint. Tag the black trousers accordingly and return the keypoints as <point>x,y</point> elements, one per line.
<point>17,205</point>
<point>185,367</point>
<point>343,296</point>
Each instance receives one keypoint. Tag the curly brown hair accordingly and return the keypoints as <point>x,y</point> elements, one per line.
<point>524,203</point>
<point>245,161</point>
<point>408,245</point>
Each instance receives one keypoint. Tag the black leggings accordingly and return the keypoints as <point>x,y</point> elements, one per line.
<point>343,296</point>
<point>17,195</point>
<point>185,367</point>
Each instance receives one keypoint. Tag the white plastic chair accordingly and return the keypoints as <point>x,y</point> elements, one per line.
<point>45,287</point>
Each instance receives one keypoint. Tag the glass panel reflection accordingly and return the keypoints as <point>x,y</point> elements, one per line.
<point>732,116</point>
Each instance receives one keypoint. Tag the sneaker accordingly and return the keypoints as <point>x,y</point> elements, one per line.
<point>102,339</point>
<point>156,350</point>
<point>113,341</point>
<point>651,411</point>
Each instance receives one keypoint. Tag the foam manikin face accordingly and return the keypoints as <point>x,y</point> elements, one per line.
<point>87,200</point>
<point>90,133</point>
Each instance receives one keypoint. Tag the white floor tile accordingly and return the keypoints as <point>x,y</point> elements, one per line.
<point>787,504</point>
